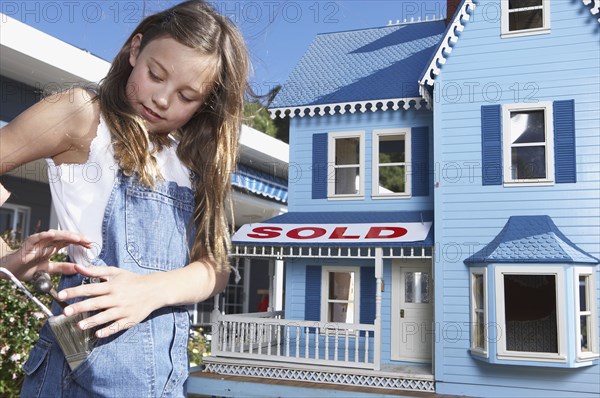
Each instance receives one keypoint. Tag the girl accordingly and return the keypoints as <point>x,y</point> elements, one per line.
<point>141,168</point>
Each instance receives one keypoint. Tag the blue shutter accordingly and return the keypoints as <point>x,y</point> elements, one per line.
<point>491,144</point>
<point>420,161</point>
<point>312,301</point>
<point>368,288</point>
<point>319,166</point>
<point>565,169</point>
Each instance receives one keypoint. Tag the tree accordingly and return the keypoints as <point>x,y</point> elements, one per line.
<point>257,116</point>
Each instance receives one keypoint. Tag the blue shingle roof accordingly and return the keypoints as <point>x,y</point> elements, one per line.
<point>362,65</point>
<point>531,239</point>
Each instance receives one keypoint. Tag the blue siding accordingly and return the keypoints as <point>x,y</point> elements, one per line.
<point>302,131</point>
<point>312,303</point>
<point>486,70</point>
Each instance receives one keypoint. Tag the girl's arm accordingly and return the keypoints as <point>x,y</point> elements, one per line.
<point>126,298</point>
<point>60,127</point>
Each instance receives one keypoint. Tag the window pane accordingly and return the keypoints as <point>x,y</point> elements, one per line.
<point>585,330</point>
<point>527,127</point>
<point>479,336</point>
<point>347,180</point>
<point>341,286</point>
<point>583,280</point>
<point>530,313</point>
<point>392,179</point>
<point>341,312</point>
<point>478,291</point>
<point>6,223</point>
<point>416,287</point>
<point>528,162</point>
<point>391,149</point>
<point>347,151</point>
<point>512,4</point>
<point>522,20</point>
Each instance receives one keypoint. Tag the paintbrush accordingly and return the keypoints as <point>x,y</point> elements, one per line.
<point>75,343</point>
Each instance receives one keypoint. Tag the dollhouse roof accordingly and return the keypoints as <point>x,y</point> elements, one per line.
<point>343,68</point>
<point>531,239</point>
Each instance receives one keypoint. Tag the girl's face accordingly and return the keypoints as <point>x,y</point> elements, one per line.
<point>169,82</point>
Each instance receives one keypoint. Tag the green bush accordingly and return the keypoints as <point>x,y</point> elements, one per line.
<point>20,323</point>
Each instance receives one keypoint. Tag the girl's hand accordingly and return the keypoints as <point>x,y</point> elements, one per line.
<point>34,255</point>
<point>123,300</point>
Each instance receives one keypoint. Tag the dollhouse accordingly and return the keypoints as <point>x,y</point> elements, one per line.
<point>444,213</point>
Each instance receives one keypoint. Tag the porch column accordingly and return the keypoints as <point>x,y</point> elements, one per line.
<point>278,286</point>
<point>271,269</point>
<point>379,281</point>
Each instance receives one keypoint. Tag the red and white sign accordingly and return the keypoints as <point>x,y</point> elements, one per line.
<point>333,233</point>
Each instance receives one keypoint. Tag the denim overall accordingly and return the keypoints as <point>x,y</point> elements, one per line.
<point>144,231</point>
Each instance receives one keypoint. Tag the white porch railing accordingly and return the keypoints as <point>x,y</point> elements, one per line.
<point>266,336</point>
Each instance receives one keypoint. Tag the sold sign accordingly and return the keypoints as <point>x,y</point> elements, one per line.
<point>332,233</point>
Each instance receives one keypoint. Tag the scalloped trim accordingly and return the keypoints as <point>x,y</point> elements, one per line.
<point>351,107</point>
<point>595,10</point>
<point>448,42</point>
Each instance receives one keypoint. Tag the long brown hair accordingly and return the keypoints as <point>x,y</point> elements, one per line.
<point>208,142</point>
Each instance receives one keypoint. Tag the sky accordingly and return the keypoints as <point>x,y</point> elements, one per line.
<point>277,32</point>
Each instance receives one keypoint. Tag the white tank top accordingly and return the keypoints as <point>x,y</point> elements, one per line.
<point>80,192</point>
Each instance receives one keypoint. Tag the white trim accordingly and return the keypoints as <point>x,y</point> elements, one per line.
<point>448,42</point>
<point>593,314</point>
<point>504,19</point>
<point>331,169</point>
<point>325,270</point>
<point>545,106</point>
<point>406,133</point>
<point>354,106</point>
<point>559,274</point>
<point>595,10</point>
<point>481,351</point>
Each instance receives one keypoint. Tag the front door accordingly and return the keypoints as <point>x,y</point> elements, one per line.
<point>412,311</point>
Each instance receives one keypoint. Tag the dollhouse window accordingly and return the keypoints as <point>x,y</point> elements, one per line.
<point>530,312</point>
<point>525,17</point>
<point>479,336</point>
<point>391,163</point>
<point>340,290</point>
<point>587,339</point>
<point>346,160</point>
<point>528,143</point>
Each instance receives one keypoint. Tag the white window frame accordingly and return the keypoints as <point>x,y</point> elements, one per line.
<point>26,219</point>
<point>406,132</point>
<point>481,351</point>
<point>549,143</point>
<point>592,313</point>
<point>504,23</point>
<point>332,167</point>
<point>561,321</point>
<point>325,290</point>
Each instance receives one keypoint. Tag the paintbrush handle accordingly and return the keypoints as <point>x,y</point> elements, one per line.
<point>27,292</point>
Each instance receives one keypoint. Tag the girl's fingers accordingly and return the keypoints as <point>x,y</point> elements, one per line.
<point>96,271</point>
<point>83,291</point>
<point>62,268</point>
